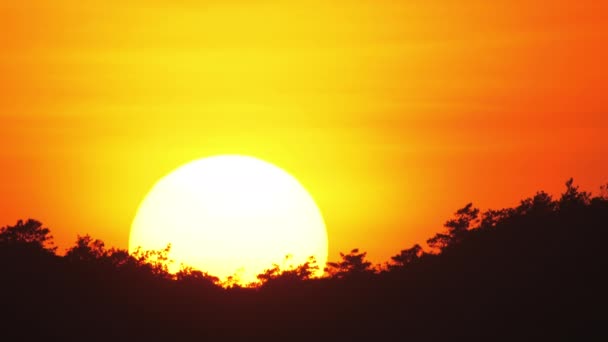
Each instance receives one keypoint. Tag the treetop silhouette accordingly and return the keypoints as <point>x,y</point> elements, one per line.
<point>30,232</point>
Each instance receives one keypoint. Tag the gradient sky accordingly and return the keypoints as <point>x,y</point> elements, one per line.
<point>393,114</point>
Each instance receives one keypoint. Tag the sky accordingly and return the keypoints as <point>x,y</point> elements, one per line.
<point>393,114</point>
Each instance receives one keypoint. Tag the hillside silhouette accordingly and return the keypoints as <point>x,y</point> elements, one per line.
<point>532,272</point>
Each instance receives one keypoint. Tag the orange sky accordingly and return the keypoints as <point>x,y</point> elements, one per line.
<point>393,114</point>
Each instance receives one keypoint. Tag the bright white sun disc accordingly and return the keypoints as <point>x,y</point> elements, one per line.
<point>231,215</point>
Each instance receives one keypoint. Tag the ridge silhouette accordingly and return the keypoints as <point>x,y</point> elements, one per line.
<point>532,272</point>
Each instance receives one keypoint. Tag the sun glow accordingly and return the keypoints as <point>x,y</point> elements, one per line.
<point>230,216</point>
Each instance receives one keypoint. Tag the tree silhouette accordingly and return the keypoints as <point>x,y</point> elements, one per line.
<point>86,250</point>
<point>491,217</point>
<point>572,197</point>
<point>456,228</point>
<point>352,264</point>
<point>155,261</point>
<point>292,274</point>
<point>192,277</point>
<point>539,204</point>
<point>406,256</point>
<point>30,233</point>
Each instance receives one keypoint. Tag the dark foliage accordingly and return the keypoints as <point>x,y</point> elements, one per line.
<point>353,264</point>
<point>533,272</point>
<point>30,234</point>
<point>406,257</point>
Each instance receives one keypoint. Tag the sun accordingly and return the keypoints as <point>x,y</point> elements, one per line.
<point>231,215</point>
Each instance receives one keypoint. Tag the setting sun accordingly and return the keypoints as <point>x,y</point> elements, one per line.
<point>231,216</point>
<point>169,170</point>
